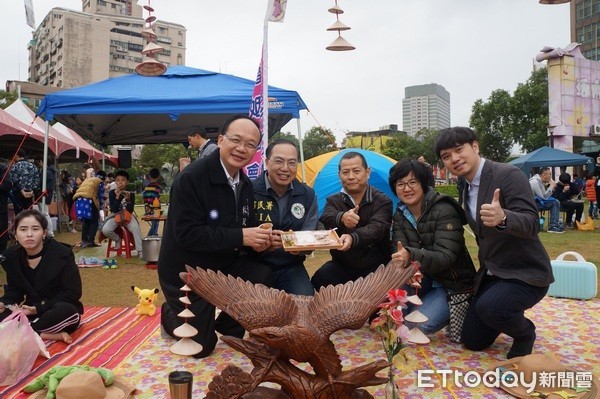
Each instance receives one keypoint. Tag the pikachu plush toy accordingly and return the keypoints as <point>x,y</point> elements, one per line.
<point>146,300</point>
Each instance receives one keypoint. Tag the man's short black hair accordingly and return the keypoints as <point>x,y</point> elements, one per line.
<point>269,149</point>
<point>196,130</point>
<point>110,175</point>
<point>350,155</point>
<point>122,173</point>
<point>453,137</point>
<point>101,174</point>
<point>543,169</point>
<point>154,173</point>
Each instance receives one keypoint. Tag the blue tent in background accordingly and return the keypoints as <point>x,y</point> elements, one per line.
<point>550,157</point>
<point>322,173</point>
<point>135,109</point>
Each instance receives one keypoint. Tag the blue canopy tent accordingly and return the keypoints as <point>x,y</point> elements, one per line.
<point>550,157</point>
<point>135,109</point>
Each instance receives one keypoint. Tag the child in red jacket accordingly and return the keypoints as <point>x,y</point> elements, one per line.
<point>590,193</point>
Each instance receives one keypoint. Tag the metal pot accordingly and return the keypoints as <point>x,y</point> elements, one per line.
<point>151,248</point>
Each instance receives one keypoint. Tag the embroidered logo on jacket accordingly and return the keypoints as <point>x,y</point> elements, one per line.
<point>213,214</point>
<point>298,210</point>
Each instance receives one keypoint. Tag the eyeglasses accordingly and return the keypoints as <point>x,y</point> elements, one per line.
<point>410,184</point>
<point>236,141</point>
<point>292,163</point>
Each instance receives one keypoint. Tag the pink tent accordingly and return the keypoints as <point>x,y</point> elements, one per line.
<point>66,144</point>
<point>11,135</point>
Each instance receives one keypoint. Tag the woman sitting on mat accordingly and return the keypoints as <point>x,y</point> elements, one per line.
<point>42,279</point>
<point>428,227</point>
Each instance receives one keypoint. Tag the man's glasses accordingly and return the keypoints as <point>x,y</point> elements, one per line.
<point>292,163</point>
<point>410,184</point>
<point>237,142</point>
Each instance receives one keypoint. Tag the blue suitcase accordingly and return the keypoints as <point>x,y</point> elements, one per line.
<point>573,279</point>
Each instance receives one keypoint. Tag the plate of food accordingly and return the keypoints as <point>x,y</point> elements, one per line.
<point>310,240</point>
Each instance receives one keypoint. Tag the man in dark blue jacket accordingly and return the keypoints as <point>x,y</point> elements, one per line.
<point>280,199</point>
<point>211,224</point>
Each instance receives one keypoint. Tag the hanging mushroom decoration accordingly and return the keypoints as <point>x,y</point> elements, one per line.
<point>150,66</point>
<point>339,44</point>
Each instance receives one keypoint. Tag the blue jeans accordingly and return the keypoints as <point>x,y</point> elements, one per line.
<point>435,305</point>
<point>554,208</point>
<point>153,228</point>
<point>293,280</point>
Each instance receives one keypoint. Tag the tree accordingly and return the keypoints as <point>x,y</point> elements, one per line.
<point>530,112</point>
<point>286,136</point>
<point>401,145</point>
<point>156,155</point>
<point>318,141</point>
<point>492,122</point>
<point>518,119</point>
<point>7,98</point>
<point>426,138</point>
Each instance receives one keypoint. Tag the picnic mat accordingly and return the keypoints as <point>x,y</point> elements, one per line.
<point>133,348</point>
<point>106,337</point>
<point>568,328</point>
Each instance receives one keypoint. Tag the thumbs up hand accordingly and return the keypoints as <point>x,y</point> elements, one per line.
<point>350,218</point>
<point>492,214</point>
<point>402,256</point>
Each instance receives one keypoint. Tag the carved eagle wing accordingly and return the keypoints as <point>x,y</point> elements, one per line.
<point>349,305</point>
<point>252,305</point>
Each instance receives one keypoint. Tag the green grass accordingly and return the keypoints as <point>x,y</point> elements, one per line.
<point>112,287</point>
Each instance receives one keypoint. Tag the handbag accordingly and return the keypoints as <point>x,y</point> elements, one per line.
<point>459,304</point>
<point>20,348</point>
<point>123,217</point>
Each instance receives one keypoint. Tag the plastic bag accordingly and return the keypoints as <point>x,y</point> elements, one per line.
<point>19,348</point>
<point>587,226</point>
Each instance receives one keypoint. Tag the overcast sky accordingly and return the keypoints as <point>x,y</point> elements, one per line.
<point>471,47</point>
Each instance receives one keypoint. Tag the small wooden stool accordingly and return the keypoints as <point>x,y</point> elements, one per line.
<point>127,243</point>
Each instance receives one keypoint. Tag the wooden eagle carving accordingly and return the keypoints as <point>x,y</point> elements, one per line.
<point>298,327</point>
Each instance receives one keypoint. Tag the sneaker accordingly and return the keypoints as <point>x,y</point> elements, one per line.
<point>556,230</point>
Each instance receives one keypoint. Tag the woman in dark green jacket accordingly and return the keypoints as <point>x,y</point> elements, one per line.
<point>428,227</point>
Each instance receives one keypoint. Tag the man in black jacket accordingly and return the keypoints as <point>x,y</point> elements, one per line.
<point>211,224</point>
<point>362,216</point>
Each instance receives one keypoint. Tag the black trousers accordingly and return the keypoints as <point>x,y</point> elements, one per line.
<point>62,316</point>
<point>332,273</point>
<point>571,208</point>
<point>204,312</point>
<point>89,227</point>
<point>498,307</point>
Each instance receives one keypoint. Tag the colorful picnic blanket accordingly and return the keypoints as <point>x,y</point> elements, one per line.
<point>106,337</point>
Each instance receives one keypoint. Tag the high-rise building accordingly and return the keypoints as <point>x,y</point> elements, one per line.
<point>585,27</point>
<point>73,48</point>
<point>425,106</point>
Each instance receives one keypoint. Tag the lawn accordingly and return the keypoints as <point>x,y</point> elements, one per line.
<point>112,287</point>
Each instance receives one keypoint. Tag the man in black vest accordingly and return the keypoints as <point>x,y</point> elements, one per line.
<point>280,199</point>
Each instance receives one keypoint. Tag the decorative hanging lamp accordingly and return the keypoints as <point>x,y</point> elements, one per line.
<point>150,66</point>
<point>339,44</point>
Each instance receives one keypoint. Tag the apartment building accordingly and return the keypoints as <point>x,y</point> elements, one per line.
<point>74,48</point>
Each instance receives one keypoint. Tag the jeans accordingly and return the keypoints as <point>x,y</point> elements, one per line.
<point>153,228</point>
<point>435,305</point>
<point>293,280</point>
<point>554,209</point>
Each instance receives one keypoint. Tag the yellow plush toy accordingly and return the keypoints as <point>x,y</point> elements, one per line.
<point>147,298</point>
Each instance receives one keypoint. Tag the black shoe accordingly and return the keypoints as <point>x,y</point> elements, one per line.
<point>93,244</point>
<point>521,347</point>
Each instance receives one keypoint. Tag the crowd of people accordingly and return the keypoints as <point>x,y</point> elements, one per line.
<point>221,220</point>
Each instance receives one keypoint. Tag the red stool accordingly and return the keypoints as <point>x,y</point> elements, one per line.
<point>127,243</point>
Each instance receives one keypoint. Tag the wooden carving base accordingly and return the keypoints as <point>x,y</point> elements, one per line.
<point>234,383</point>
